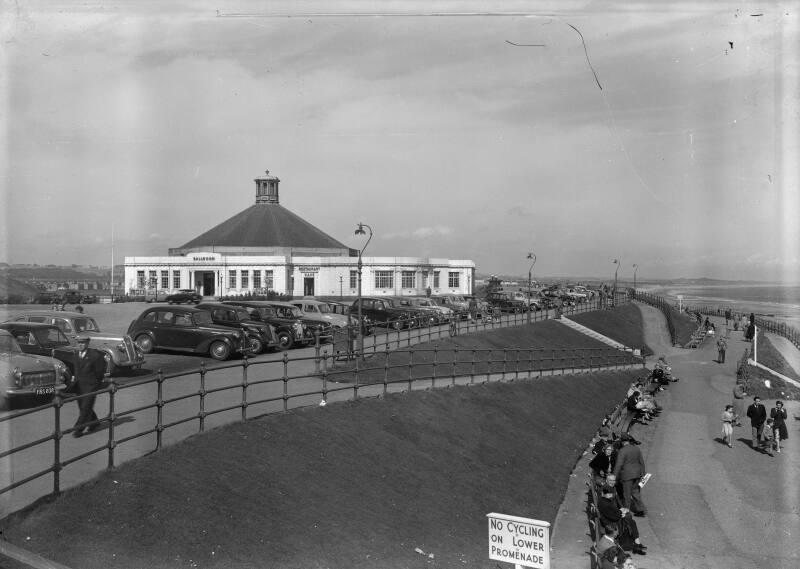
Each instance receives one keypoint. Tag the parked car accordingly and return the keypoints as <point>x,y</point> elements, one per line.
<point>289,328</point>
<point>44,340</point>
<point>122,353</point>
<point>260,335</point>
<point>505,303</point>
<point>426,315</point>
<point>455,302</point>
<point>344,309</point>
<point>24,374</point>
<point>186,329</point>
<point>184,296</point>
<point>321,311</point>
<point>315,323</point>
<point>445,312</point>
<point>383,312</point>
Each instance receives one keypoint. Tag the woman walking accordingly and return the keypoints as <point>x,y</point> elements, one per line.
<point>779,431</point>
<point>728,417</point>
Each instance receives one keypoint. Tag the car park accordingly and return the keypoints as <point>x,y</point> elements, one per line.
<point>382,311</point>
<point>184,296</point>
<point>44,340</point>
<point>260,335</point>
<point>320,311</point>
<point>289,329</point>
<point>185,329</point>
<point>23,375</point>
<point>122,352</point>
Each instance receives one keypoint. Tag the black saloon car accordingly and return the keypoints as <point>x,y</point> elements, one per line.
<point>186,329</point>
<point>184,296</point>
<point>383,312</point>
<point>289,328</point>
<point>260,335</point>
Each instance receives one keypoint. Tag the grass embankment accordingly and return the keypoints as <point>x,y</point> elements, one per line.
<point>357,485</point>
<point>769,356</point>
<point>623,324</point>
<point>540,346</point>
<point>685,326</point>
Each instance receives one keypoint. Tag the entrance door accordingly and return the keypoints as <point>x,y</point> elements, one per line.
<point>308,286</point>
<point>208,284</point>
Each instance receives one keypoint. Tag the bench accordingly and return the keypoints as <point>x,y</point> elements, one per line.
<point>697,337</point>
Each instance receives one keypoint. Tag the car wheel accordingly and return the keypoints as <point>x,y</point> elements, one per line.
<point>145,343</point>
<point>285,340</point>
<point>219,351</point>
<point>255,344</point>
<point>397,325</point>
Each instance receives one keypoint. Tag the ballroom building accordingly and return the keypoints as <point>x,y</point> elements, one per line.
<point>267,247</point>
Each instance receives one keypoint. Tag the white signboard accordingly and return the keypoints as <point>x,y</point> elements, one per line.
<point>521,541</point>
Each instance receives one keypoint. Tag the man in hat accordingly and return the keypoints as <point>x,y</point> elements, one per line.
<point>629,469</point>
<point>90,367</point>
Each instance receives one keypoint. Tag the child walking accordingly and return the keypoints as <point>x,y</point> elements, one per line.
<point>728,418</point>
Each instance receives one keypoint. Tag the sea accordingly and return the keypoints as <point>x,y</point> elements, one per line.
<point>778,302</point>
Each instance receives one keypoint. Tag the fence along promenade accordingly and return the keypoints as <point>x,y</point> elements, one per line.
<point>170,403</point>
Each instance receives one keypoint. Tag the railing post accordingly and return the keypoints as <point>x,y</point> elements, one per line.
<point>57,436</point>
<point>112,419</point>
<point>472,369</point>
<point>433,373</point>
<point>455,363</point>
<point>317,346</point>
<point>505,360</point>
<point>245,364</point>
<point>516,373</point>
<point>325,375</point>
<point>410,367</point>
<point>286,381</point>
<point>160,407</point>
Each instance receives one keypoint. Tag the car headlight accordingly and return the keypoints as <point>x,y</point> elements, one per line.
<point>17,373</point>
<point>121,347</point>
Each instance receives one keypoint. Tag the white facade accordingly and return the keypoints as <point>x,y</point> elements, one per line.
<point>216,274</point>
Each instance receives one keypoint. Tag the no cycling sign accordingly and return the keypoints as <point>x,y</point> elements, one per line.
<point>521,541</point>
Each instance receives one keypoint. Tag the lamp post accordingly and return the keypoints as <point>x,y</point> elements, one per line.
<point>360,231</point>
<point>617,262</point>
<point>635,267</point>
<point>530,273</point>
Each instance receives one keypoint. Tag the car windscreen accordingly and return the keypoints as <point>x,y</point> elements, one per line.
<point>288,311</point>
<point>51,338</point>
<point>9,345</point>
<point>324,308</point>
<point>202,318</point>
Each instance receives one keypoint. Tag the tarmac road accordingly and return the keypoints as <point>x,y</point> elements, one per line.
<point>709,506</point>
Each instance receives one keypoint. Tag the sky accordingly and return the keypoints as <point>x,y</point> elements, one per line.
<point>661,134</point>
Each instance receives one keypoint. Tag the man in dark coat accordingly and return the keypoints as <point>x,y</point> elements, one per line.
<point>629,469</point>
<point>90,367</point>
<point>758,415</point>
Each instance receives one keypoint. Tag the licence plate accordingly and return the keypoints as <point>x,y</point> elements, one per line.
<point>45,390</point>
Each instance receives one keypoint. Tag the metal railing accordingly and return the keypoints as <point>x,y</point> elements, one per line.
<point>778,328</point>
<point>275,386</point>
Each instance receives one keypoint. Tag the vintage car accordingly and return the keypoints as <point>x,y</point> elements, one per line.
<point>506,303</point>
<point>121,350</point>
<point>344,309</point>
<point>320,311</point>
<point>445,313</point>
<point>186,329</point>
<point>455,302</point>
<point>290,330</point>
<point>426,315</point>
<point>260,335</point>
<point>184,296</point>
<point>383,311</point>
<point>313,321</point>
<point>44,340</point>
<point>24,374</point>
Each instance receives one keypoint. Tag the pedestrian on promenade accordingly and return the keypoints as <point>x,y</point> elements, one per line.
<point>779,431</point>
<point>727,316</point>
<point>739,393</point>
<point>90,367</point>
<point>629,469</point>
<point>758,416</point>
<point>727,425</point>
<point>722,345</point>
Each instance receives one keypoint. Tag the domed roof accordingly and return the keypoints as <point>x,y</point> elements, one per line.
<point>266,227</point>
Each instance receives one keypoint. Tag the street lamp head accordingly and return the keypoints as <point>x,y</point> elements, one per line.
<point>616,261</point>
<point>530,255</point>
<point>360,229</point>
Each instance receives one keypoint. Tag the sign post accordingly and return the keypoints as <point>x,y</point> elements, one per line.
<point>680,303</point>
<point>521,541</point>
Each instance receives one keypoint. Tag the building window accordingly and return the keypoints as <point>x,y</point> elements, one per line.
<point>231,279</point>
<point>153,279</point>
<point>139,279</point>
<point>164,279</point>
<point>353,279</point>
<point>245,279</point>
<point>407,278</point>
<point>384,279</point>
<point>435,279</point>
<point>452,279</point>
<point>256,279</point>
<point>268,275</point>
<point>424,279</point>
<point>176,279</point>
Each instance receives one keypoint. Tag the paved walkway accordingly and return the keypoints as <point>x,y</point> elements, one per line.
<point>709,506</point>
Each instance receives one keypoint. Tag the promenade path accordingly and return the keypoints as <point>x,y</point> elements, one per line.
<point>709,506</point>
